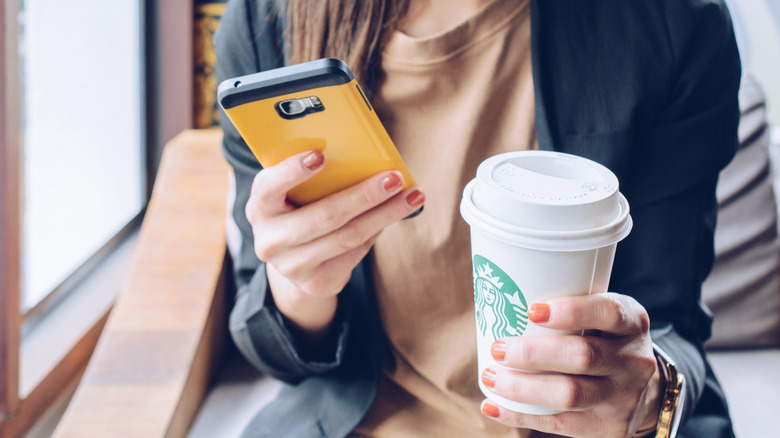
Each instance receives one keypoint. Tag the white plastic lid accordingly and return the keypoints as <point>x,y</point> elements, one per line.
<point>547,200</point>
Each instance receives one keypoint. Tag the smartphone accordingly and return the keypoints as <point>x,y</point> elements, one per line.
<point>314,105</point>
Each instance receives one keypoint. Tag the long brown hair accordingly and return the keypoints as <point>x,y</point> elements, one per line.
<point>351,30</point>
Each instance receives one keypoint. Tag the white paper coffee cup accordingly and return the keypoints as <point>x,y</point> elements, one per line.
<point>543,224</point>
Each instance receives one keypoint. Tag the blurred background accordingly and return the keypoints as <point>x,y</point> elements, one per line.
<point>757,26</point>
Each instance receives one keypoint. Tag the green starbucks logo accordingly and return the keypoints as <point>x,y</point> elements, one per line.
<point>500,306</point>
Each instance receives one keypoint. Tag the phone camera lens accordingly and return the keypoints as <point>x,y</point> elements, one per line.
<point>295,108</point>
<point>292,107</point>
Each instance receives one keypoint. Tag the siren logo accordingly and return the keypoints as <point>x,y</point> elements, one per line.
<point>500,305</point>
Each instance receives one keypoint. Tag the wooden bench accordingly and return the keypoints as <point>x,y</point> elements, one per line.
<point>167,330</point>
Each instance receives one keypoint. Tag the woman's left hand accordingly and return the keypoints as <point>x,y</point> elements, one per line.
<point>607,384</point>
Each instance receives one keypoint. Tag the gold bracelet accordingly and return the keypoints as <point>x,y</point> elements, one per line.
<point>669,416</point>
<point>674,394</point>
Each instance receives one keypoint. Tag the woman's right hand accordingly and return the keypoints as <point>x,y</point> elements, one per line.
<point>310,251</point>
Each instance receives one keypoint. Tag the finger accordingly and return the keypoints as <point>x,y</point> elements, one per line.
<point>285,227</point>
<point>582,355</point>
<point>560,392</point>
<point>555,424</point>
<point>580,424</point>
<point>333,212</point>
<point>610,313</point>
<point>270,186</point>
<point>299,260</point>
<point>332,276</point>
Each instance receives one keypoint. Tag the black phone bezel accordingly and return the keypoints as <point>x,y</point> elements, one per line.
<point>285,80</point>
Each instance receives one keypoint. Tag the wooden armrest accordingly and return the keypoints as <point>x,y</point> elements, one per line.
<point>154,359</point>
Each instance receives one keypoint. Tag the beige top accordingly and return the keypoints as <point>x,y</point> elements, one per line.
<point>448,101</point>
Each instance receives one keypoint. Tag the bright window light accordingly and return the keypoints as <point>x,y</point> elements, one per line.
<point>83,133</point>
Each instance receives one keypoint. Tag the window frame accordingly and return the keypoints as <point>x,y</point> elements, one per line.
<point>166,56</point>
<point>10,214</point>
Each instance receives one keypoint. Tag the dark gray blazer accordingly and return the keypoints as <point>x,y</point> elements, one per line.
<point>647,88</point>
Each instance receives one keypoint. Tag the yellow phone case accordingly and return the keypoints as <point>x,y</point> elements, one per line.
<point>315,105</point>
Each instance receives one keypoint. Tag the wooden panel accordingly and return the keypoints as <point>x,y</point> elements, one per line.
<point>36,404</point>
<point>169,77</point>
<point>154,359</point>
<point>10,211</point>
<point>175,60</point>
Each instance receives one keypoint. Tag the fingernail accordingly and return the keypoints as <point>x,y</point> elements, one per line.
<point>313,160</point>
<point>539,312</point>
<point>392,182</point>
<point>489,409</point>
<point>498,350</point>
<point>415,199</point>
<point>489,378</point>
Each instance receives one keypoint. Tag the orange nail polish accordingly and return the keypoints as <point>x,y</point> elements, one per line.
<point>498,350</point>
<point>539,312</point>
<point>490,410</point>
<point>489,378</point>
<point>392,182</point>
<point>313,160</point>
<point>415,199</point>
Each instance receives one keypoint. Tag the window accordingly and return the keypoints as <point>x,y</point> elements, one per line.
<point>83,158</point>
<point>83,117</point>
<point>74,155</point>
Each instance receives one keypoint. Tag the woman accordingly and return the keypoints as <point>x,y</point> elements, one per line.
<point>372,317</point>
